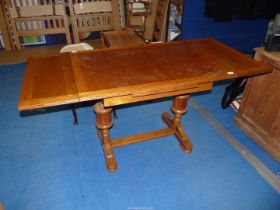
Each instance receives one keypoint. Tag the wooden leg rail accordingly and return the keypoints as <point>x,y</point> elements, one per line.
<point>141,137</point>
<point>104,123</point>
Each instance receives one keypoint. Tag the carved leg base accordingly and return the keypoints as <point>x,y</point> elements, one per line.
<point>103,124</point>
<point>179,108</point>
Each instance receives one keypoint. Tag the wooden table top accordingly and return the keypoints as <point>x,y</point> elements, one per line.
<point>122,38</point>
<point>137,71</point>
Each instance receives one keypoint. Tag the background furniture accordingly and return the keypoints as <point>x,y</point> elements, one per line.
<point>136,12</point>
<point>37,17</point>
<point>161,21</point>
<point>259,113</point>
<point>3,30</point>
<point>126,37</point>
<point>150,21</point>
<point>89,16</point>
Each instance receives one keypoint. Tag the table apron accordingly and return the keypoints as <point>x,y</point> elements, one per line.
<point>119,100</point>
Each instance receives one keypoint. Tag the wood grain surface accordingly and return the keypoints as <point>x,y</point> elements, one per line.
<point>131,71</point>
<point>259,113</point>
<point>121,38</point>
<point>48,82</point>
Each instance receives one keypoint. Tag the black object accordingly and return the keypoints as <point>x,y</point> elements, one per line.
<point>232,91</point>
<point>226,10</point>
<point>220,10</point>
<point>75,116</point>
<point>272,43</point>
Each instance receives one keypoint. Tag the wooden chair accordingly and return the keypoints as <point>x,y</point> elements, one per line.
<point>37,17</point>
<point>4,30</point>
<point>161,23</point>
<point>137,12</point>
<point>92,15</point>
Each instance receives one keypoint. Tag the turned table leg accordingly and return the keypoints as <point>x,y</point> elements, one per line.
<point>179,107</point>
<point>103,125</point>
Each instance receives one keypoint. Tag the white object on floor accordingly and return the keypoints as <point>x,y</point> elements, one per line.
<point>76,47</point>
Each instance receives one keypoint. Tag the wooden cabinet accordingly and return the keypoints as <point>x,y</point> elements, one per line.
<point>259,113</point>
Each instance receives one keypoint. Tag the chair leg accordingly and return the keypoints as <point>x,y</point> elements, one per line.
<point>75,117</point>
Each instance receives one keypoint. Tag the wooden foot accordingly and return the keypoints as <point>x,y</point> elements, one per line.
<point>1,206</point>
<point>103,124</point>
<point>179,107</point>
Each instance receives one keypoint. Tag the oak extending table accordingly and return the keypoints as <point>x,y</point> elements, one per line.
<point>111,77</point>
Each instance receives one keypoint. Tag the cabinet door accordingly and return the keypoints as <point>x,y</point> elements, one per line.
<point>262,101</point>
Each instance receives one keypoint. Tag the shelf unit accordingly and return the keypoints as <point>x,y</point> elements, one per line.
<point>137,12</point>
<point>4,33</point>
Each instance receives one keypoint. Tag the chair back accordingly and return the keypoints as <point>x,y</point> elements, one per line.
<point>37,17</point>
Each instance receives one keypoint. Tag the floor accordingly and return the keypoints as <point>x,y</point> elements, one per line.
<point>47,163</point>
<point>211,103</point>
